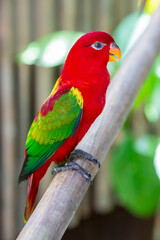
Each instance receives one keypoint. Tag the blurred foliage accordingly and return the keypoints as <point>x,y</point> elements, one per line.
<point>151,85</point>
<point>132,171</point>
<point>49,51</point>
<point>148,6</point>
<point>133,174</point>
<point>129,30</point>
<point>157,160</point>
<point>126,35</point>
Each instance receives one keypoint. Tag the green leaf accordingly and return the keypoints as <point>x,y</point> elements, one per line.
<point>150,5</point>
<point>149,88</point>
<point>127,33</point>
<point>50,50</point>
<point>129,30</point>
<point>152,108</point>
<point>134,179</point>
<point>146,145</point>
<point>157,160</point>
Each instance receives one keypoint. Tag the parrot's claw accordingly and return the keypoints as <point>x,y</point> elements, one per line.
<point>82,154</point>
<point>74,166</point>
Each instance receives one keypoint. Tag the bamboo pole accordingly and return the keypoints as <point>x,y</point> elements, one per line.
<point>23,37</point>
<point>8,138</point>
<point>68,11</point>
<point>44,24</point>
<point>8,109</point>
<point>62,198</point>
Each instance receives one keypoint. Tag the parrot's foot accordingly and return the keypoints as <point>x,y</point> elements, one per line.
<point>74,166</point>
<point>82,154</point>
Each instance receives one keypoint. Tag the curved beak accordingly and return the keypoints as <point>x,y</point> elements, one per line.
<point>114,53</point>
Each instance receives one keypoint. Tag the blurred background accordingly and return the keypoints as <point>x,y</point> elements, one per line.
<point>35,36</point>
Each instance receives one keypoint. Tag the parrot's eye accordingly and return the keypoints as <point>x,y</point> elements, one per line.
<point>98,45</point>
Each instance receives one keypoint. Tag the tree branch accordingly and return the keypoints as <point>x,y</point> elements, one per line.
<point>67,189</point>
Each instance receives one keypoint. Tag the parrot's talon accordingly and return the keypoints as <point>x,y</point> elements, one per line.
<point>74,166</point>
<point>82,154</point>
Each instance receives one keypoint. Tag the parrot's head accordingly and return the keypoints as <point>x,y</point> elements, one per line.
<point>92,52</point>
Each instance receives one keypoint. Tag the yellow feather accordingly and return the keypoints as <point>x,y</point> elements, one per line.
<point>78,95</point>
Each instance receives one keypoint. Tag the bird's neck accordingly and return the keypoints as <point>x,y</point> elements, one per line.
<point>86,79</point>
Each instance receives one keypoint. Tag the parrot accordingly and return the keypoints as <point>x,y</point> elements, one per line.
<point>76,100</point>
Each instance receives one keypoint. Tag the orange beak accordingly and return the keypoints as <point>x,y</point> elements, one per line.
<point>114,53</point>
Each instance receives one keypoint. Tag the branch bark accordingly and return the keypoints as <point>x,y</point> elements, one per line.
<point>67,189</point>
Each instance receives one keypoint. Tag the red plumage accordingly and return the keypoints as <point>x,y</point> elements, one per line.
<point>85,70</point>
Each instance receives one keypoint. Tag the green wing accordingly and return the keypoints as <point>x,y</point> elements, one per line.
<point>57,120</point>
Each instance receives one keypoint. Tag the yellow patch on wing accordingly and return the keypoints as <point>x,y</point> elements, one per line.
<point>50,129</point>
<point>55,88</point>
<point>78,96</point>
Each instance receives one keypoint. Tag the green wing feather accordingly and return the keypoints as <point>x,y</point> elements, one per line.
<point>48,133</point>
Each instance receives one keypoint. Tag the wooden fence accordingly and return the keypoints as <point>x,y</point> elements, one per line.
<point>24,88</point>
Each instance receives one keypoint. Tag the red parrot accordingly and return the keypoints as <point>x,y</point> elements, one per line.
<point>76,100</point>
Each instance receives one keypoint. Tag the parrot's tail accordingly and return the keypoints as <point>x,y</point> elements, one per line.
<point>34,180</point>
<point>31,197</point>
